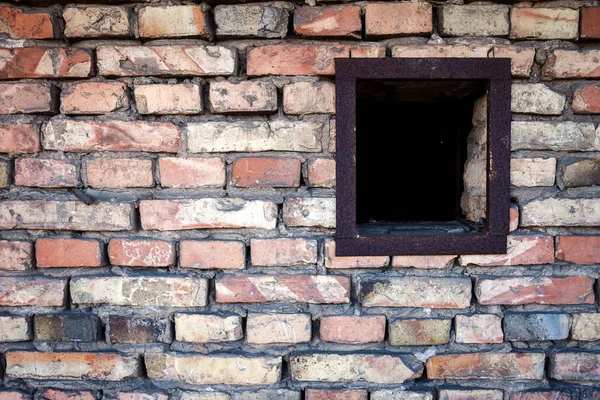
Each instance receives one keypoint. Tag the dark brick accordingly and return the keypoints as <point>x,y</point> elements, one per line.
<point>136,330</point>
<point>535,327</point>
<point>66,328</point>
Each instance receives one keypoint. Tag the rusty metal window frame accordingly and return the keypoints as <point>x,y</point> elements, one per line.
<point>492,238</point>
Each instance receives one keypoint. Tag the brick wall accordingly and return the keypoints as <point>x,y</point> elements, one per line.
<point>197,261</point>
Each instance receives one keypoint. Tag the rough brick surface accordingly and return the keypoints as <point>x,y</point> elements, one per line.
<point>19,138</point>
<point>14,329</point>
<point>480,394</point>
<point>425,262</point>
<point>518,366</point>
<point>26,98</point>
<point>243,97</point>
<point>260,172</point>
<point>336,21</point>
<point>478,328</point>
<point>173,21</point>
<point>586,326</point>
<point>15,255</point>
<point>316,394</point>
<point>538,135</point>
<point>564,64</point>
<point>419,332</point>
<point>20,23</point>
<point>309,98</point>
<point>36,291</point>
<point>93,98</point>
<point>586,100</point>
<point>62,252</point>
<point>531,172</point>
<point>66,328</point>
<point>321,172</point>
<point>283,252</point>
<point>316,211</point>
<point>98,21</point>
<point>265,329</point>
<point>590,27</point>
<point>177,172</point>
<point>554,395</point>
<point>536,98</point>
<point>353,329</point>
<point>474,20</point>
<point>333,262</point>
<point>561,212</point>
<point>252,20</point>
<point>575,367</point>
<point>119,172</point>
<point>139,330</point>
<point>212,254</point>
<point>544,23</point>
<point>197,328</point>
<point>40,62</point>
<point>386,19</point>
<point>48,173</point>
<point>184,98</point>
<point>522,250</point>
<point>578,249</point>
<point>141,252</point>
<point>530,327</point>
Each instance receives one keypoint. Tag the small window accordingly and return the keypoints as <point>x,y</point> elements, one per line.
<point>423,155</point>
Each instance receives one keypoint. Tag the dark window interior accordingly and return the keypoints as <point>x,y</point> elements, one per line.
<point>410,153</point>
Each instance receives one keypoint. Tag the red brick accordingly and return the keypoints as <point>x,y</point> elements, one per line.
<point>544,23</point>
<point>535,290</point>
<point>514,218</point>
<point>590,23</point>
<point>94,98</point>
<point>176,172</point>
<point>212,254</point>
<point>334,262</point>
<point>119,172</point>
<point>566,64</point>
<point>575,367</point>
<point>164,99</point>
<point>173,21</point>
<point>26,24</point>
<point>522,250</point>
<point>42,62</point>
<point>353,329</point>
<point>19,138</point>
<point>331,394</point>
<point>12,395</point>
<point>305,59</point>
<point>478,328</point>
<point>26,98</point>
<point>35,291</point>
<point>97,22</point>
<point>314,289</point>
<point>70,365</point>
<point>554,395</point>
<point>85,136</point>
<point>384,19</point>
<point>309,98</point>
<point>283,252</point>
<point>38,172</point>
<point>336,21</point>
<point>141,252</point>
<point>321,172</point>
<point>578,249</point>
<point>15,255</point>
<point>266,172</point>
<point>507,366</point>
<point>243,97</point>
<point>55,394</point>
<point>66,253</point>
<point>587,99</point>
<point>169,215</point>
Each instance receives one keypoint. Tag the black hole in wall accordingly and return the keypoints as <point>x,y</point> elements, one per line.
<point>411,148</point>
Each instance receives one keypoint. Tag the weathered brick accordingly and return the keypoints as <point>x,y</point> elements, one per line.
<point>207,396</point>
<point>514,218</point>
<point>532,172</point>
<point>333,262</point>
<point>577,172</point>
<point>34,291</point>
<point>315,289</point>
<point>321,172</point>
<point>205,328</point>
<point>66,253</point>
<point>139,330</point>
<point>212,254</point>
<point>554,395</point>
<point>243,97</point>
<point>521,57</point>
<point>18,23</point>
<point>536,98</point>
<point>71,366</point>
<point>385,19</point>
<point>535,290</point>
<point>174,60</point>
<point>4,174</point>
<point>141,252</point>
<point>251,136</point>
<point>522,250</point>
<point>400,395</point>
<point>530,327</point>
<point>173,21</point>
<point>565,64</point>
<point>309,98</point>
<point>478,328</point>
<point>85,136</point>
<point>309,211</point>
<point>557,136</point>
<point>177,172</point>
<point>261,172</point>
<point>333,394</point>
<point>166,215</point>
<point>19,138</point>
<point>473,20</point>
<point>137,396</point>
<point>56,394</point>
<point>15,255</point>
<point>353,329</point>
<point>268,394</point>
<point>544,23</point>
<point>340,368</point>
<point>251,20</point>
<point>14,328</point>
<point>183,98</point>
<point>578,367</point>
<point>50,173</point>
<point>140,291</point>
<point>97,22</point>
<point>479,394</point>
<point>416,292</point>
<point>590,25</point>
<point>93,98</point>
<point>283,252</point>
<point>26,98</point>
<point>14,395</point>
<point>305,59</point>
<point>419,332</point>
<point>517,366</point>
<point>119,172</point>
<point>66,327</point>
<point>43,62</point>
<point>331,146</point>
<point>335,21</point>
<point>423,262</point>
<point>278,328</point>
<point>561,212</point>
<point>578,249</point>
<point>213,369</point>
<point>586,327</point>
<point>65,215</point>
<point>586,100</point>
